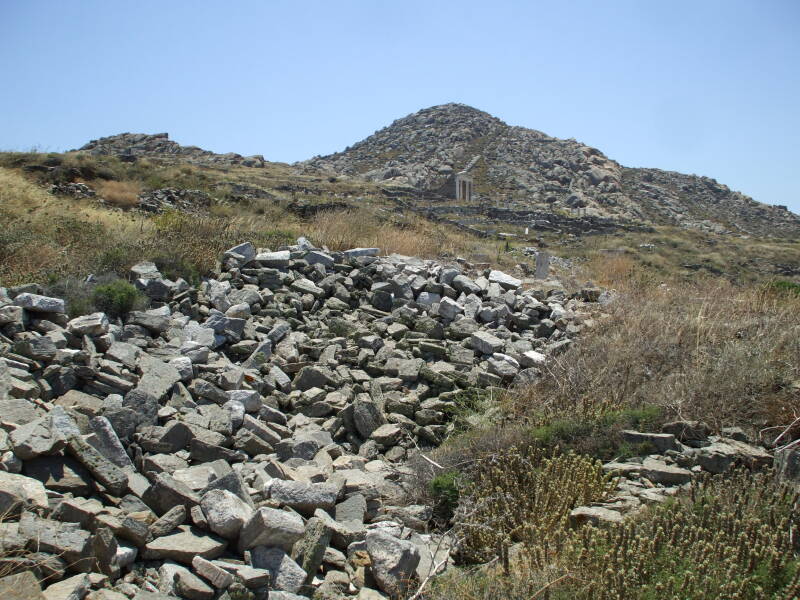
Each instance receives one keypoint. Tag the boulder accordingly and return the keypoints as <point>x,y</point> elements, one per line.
<point>393,562</point>
<point>225,512</point>
<point>40,304</point>
<point>304,497</point>
<point>504,280</point>
<point>66,540</point>
<point>723,453</point>
<point>74,588</point>
<point>658,471</point>
<point>177,580</point>
<point>215,575</point>
<point>660,441</point>
<point>18,492</point>
<point>486,343</point>
<point>593,515</point>
<point>309,551</point>
<point>269,526</point>
<point>285,574</point>
<point>95,324</point>
<point>183,545</point>
<point>22,586</point>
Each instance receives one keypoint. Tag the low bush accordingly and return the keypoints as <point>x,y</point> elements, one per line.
<point>175,267</point>
<point>117,298</point>
<point>118,259</point>
<point>77,294</point>
<point>600,435</point>
<point>789,288</point>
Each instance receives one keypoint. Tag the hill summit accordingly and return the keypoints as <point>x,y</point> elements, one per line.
<point>523,170</point>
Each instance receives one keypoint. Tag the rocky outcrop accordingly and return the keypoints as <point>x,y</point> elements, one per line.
<point>130,146</point>
<point>521,169</point>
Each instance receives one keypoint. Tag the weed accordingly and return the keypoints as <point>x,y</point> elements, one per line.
<point>523,495</point>
<point>730,537</point>
<point>174,267</point>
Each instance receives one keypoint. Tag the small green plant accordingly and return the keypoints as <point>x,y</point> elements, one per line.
<point>470,406</point>
<point>117,298</point>
<point>444,489</point>
<point>175,267</point>
<point>76,293</point>
<point>117,259</point>
<point>342,327</point>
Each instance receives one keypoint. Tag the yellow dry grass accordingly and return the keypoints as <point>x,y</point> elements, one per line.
<point>49,237</point>
<point>120,194</point>
<point>414,236</point>
<point>709,350</point>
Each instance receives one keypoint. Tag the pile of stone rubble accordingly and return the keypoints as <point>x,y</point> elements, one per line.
<point>248,438</point>
<point>74,190</point>
<point>157,201</point>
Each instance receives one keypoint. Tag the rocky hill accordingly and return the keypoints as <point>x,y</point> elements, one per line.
<point>523,170</point>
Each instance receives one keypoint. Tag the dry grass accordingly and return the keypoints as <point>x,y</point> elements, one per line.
<point>47,236</point>
<point>51,238</point>
<point>682,254</point>
<point>412,236</point>
<point>711,351</point>
<point>119,194</point>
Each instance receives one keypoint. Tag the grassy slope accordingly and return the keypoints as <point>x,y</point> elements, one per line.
<point>51,237</point>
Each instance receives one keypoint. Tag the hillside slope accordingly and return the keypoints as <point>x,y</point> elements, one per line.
<point>523,169</point>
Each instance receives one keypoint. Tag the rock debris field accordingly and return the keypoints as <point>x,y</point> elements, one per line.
<point>249,438</point>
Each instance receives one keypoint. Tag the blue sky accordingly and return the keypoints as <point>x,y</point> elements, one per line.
<point>705,87</point>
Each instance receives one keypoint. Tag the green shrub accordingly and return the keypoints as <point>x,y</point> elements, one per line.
<point>117,298</point>
<point>118,259</point>
<point>76,293</point>
<point>471,406</point>
<point>444,490</point>
<point>174,267</point>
